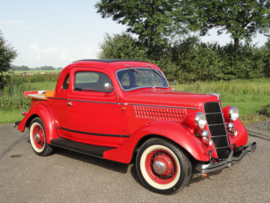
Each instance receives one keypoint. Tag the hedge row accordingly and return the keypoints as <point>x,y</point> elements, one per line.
<point>189,59</point>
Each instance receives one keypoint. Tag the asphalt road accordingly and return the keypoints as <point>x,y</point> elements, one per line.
<point>71,177</point>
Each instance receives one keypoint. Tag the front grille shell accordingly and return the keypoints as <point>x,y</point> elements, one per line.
<point>217,129</point>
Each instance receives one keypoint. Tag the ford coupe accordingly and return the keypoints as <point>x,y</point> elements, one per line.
<point>124,109</point>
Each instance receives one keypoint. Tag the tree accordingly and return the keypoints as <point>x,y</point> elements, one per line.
<point>46,68</point>
<point>241,18</point>
<point>120,46</point>
<point>20,68</point>
<point>7,55</point>
<point>152,20</point>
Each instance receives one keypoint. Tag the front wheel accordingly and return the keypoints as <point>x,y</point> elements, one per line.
<point>162,166</point>
<point>38,138</point>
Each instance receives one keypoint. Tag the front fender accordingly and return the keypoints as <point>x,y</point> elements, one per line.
<point>44,113</point>
<point>167,129</point>
<point>242,138</point>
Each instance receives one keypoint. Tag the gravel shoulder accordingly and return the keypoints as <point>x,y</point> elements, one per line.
<point>259,129</point>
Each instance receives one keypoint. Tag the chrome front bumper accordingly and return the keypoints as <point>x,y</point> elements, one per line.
<point>211,167</point>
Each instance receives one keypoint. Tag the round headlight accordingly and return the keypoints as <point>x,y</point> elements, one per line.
<point>200,120</point>
<point>233,113</point>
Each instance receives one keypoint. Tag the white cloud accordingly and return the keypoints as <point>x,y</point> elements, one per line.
<point>61,57</point>
<point>34,47</point>
<point>66,55</point>
<point>51,50</point>
<point>82,52</point>
<point>42,52</point>
<point>14,24</point>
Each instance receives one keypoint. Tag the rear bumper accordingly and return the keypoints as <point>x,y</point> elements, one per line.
<point>212,167</point>
<point>16,124</point>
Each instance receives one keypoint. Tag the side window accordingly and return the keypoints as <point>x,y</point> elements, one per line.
<point>125,80</point>
<point>91,81</point>
<point>66,83</point>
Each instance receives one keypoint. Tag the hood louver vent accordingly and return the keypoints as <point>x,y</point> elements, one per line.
<point>160,113</point>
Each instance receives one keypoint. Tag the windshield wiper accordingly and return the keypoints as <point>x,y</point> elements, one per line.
<point>135,69</point>
<point>157,71</point>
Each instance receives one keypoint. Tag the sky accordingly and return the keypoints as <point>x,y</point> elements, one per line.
<point>58,32</point>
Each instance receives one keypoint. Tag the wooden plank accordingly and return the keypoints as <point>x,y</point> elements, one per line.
<point>48,93</point>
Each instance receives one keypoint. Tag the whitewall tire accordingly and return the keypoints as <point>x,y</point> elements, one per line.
<point>162,166</point>
<point>38,139</point>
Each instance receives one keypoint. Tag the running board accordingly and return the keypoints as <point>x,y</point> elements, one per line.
<point>87,149</point>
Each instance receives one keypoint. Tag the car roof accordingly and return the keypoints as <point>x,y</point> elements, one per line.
<point>108,60</point>
<point>111,65</point>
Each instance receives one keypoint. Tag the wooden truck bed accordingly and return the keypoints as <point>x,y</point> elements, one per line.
<point>43,94</point>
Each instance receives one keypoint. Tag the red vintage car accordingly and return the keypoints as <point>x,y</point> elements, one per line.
<point>120,109</point>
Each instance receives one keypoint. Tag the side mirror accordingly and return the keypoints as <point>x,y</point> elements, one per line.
<point>108,86</point>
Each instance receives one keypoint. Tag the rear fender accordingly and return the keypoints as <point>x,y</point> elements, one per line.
<point>167,129</point>
<point>44,113</point>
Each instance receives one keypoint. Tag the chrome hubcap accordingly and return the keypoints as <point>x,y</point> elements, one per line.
<point>159,167</point>
<point>37,137</point>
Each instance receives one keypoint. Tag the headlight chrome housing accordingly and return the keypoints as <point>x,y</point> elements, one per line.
<point>200,120</point>
<point>204,133</point>
<point>233,113</point>
<point>235,132</point>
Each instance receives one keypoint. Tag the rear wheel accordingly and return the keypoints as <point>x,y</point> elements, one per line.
<point>38,138</point>
<point>162,166</point>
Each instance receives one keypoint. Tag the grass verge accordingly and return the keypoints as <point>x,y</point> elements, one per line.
<point>249,96</point>
<point>10,116</point>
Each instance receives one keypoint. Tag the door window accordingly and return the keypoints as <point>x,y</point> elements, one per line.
<point>66,83</point>
<point>91,81</point>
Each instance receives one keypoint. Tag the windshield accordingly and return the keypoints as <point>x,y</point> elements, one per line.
<point>134,78</point>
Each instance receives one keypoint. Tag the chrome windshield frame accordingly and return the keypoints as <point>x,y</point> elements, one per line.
<point>168,85</point>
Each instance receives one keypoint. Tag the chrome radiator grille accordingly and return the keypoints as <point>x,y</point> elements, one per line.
<point>217,129</point>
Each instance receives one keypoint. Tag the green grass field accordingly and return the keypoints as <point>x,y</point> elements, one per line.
<point>247,95</point>
<point>36,71</point>
<point>10,116</point>
<point>43,85</point>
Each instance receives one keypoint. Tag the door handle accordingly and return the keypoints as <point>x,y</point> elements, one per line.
<point>69,104</point>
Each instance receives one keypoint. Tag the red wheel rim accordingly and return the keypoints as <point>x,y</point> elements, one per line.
<point>161,166</point>
<point>38,136</point>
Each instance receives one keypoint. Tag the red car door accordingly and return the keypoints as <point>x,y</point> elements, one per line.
<point>59,107</point>
<point>94,114</point>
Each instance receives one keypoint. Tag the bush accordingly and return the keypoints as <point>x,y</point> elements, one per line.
<point>34,78</point>
<point>190,60</point>
<point>121,46</point>
<point>265,110</point>
<point>12,97</point>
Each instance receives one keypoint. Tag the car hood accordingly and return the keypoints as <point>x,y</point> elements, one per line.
<point>159,97</point>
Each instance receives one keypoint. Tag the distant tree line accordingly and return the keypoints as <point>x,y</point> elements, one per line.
<point>188,59</point>
<point>26,68</point>
<point>159,31</point>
